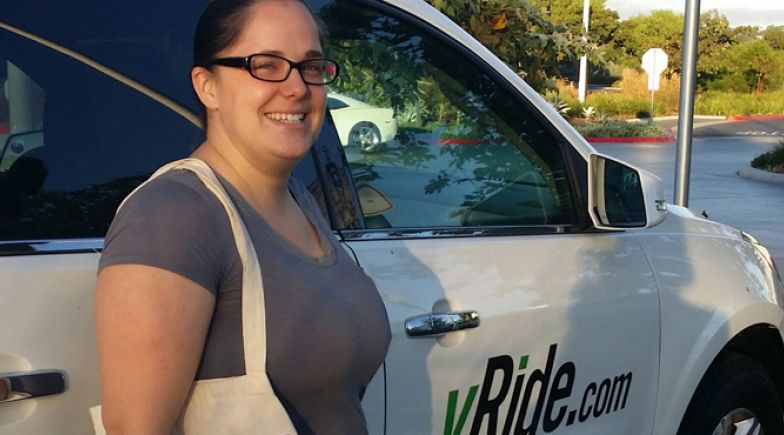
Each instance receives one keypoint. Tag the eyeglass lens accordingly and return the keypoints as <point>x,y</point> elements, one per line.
<point>273,68</point>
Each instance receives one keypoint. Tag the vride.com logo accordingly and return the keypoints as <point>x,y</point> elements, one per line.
<point>549,410</point>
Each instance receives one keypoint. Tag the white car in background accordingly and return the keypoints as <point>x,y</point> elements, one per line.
<point>360,124</point>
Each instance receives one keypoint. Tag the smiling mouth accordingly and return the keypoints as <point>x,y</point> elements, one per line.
<point>292,118</point>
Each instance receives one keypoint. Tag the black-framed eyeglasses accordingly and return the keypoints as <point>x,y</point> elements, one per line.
<point>274,68</point>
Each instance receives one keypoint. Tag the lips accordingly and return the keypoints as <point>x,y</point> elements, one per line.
<point>286,117</point>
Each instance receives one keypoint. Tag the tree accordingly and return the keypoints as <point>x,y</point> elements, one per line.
<point>774,35</point>
<point>743,34</point>
<point>569,13</point>
<point>715,38</point>
<point>517,33</point>
<point>662,29</point>
<point>751,66</point>
<point>603,24</point>
<point>762,65</point>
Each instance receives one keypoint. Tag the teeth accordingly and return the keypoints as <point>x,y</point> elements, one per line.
<point>286,117</point>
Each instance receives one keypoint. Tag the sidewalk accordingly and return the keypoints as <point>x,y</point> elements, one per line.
<point>760,175</point>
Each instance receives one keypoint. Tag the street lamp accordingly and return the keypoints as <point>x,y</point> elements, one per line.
<point>583,84</point>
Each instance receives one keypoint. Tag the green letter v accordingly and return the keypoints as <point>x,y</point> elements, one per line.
<point>450,411</point>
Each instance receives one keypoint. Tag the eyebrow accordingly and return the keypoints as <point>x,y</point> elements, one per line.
<point>309,54</point>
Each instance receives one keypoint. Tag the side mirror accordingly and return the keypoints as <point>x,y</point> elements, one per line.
<point>18,144</point>
<point>621,196</point>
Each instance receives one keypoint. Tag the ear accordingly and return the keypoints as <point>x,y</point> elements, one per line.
<point>204,84</point>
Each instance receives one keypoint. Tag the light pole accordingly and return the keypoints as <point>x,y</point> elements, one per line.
<point>583,84</point>
<point>686,105</point>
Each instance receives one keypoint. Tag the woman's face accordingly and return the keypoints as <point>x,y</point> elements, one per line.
<point>270,121</point>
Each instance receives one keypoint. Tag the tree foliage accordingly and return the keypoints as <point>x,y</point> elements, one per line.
<point>749,67</point>
<point>517,33</point>
<point>603,22</point>
<point>662,29</point>
<point>601,31</point>
<point>743,34</point>
<point>774,35</point>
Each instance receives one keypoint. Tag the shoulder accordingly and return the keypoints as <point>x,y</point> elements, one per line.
<point>174,203</point>
<point>172,192</point>
<point>175,223</point>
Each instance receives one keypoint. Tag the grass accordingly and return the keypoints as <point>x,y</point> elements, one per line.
<point>732,103</point>
<point>772,160</point>
<point>633,100</point>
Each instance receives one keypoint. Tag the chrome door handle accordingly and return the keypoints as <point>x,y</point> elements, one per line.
<point>438,324</point>
<point>29,385</point>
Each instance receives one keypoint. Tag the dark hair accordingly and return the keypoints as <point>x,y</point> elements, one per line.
<point>221,24</point>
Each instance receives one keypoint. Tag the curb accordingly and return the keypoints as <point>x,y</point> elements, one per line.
<point>760,175</point>
<point>754,117</point>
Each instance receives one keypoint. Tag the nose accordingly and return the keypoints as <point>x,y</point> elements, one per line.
<point>294,85</point>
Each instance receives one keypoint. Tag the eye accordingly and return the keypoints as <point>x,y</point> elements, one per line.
<point>268,66</point>
<point>265,66</point>
<point>313,67</point>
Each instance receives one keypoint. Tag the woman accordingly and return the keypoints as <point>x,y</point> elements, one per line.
<point>169,303</point>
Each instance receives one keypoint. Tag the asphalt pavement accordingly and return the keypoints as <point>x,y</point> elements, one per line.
<point>718,154</point>
<point>713,126</point>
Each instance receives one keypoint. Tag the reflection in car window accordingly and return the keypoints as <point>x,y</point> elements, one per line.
<point>333,103</point>
<point>463,152</point>
<point>75,143</point>
<point>21,113</point>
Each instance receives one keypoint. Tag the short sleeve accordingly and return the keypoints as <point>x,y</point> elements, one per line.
<point>173,223</point>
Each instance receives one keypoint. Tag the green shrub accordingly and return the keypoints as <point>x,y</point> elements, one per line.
<point>728,83</point>
<point>623,106</point>
<point>617,128</point>
<point>770,160</point>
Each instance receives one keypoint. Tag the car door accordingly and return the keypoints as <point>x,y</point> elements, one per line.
<point>77,142</point>
<point>78,131</point>
<point>509,314</point>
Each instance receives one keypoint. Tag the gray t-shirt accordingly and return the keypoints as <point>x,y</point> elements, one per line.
<point>327,330</point>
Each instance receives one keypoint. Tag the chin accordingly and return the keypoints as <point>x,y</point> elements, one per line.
<point>293,150</point>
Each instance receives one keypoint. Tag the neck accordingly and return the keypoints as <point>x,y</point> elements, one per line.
<point>262,184</point>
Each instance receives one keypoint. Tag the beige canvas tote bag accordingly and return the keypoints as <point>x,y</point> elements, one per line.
<point>241,405</point>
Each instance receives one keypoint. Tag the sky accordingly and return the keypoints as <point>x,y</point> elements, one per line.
<point>739,12</point>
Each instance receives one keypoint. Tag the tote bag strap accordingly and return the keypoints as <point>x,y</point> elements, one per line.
<point>254,328</point>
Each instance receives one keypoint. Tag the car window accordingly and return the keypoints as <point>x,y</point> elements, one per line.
<point>334,104</point>
<point>74,142</point>
<point>431,139</point>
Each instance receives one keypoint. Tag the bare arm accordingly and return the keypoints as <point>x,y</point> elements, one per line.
<point>151,326</point>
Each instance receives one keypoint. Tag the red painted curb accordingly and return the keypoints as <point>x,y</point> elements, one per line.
<point>630,139</point>
<point>460,141</point>
<point>754,117</point>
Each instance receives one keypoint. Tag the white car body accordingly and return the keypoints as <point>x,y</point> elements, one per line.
<point>609,330</point>
<point>354,119</point>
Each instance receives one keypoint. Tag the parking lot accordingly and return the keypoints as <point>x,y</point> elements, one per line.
<point>752,206</point>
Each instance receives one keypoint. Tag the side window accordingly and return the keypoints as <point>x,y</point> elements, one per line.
<point>431,139</point>
<point>73,143</point>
